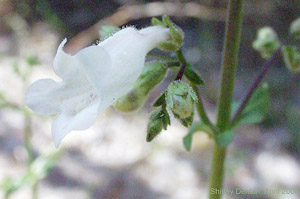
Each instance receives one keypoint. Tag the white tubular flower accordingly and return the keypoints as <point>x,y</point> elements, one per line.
<point>93,79</point>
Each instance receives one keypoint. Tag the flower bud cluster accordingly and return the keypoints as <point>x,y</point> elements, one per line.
<point>266,42</point>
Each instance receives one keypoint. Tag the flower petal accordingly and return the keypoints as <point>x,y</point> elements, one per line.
<point>42,97</point>
<point>68,121</point>
<point>64,64</point>
<point>96,63</point>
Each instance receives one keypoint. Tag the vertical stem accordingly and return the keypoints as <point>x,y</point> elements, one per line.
<point>230,57</point>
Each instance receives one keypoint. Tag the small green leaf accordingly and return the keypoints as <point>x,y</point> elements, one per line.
<point>224,139</point>
<point>193,76</point>
<point>159,120</point>
<point>198,126</point>
<point>256,109</point>
<point>291,57</point>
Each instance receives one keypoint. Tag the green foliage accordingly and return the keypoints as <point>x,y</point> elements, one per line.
<point>291,58</point>
<point>266,42</point>
<point>193,76</point>
<point>32,60</point>
<point>156,22</point>
<point>153,73</point>
<point>256,108</point>
<point>37,170</point>
<point>160,100</point>
<point>196,127</point>
<point>177,35</point>
<point>159,120</point>
<point>107,31</point>
<point>225,138</point>
<point>180,98</point>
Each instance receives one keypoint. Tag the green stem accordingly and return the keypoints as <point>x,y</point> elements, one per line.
<point>34,190</point>
<point>230,58</point>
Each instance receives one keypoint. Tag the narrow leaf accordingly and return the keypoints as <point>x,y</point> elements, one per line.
<point>256,109</point>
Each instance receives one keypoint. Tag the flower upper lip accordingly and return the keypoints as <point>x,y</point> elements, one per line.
<point>93,79</point>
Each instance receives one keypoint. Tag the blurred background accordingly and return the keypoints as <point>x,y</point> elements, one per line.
<point>112,160</point>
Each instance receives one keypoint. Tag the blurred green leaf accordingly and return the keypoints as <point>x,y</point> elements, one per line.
<point>256,109</point>
<point>291,58</point>
<point>32,60</point>
<point>196,127</point>
<point>40,167</point>
<point>10,185</point>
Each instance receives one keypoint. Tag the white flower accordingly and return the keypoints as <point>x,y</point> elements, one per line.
<point>93,79</point>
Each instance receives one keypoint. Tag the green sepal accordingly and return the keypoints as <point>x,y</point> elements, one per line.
<point>156,22</point>
<point>160,101</point>
<point>165,118</point>
<point>256,109</point>
<point>188,121</point>
<point>155,126</point>
<point>291,58</point>
<point>225,138</point>
<point>153,73</point>
<point>169,46</point>
<point>159,120</point>
<point>106,31</point>
<point>196,127</point>
<point>191,75</point>
<point>177,35</point>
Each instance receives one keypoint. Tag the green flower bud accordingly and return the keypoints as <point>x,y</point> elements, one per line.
<point>153,73</point>
<point>177,35</point>
<point>295,28</point>
<point>107,31</point>
<point>291,57</point>
<point>180,99</point>
<point>266,42</point>
<point>159,120</point>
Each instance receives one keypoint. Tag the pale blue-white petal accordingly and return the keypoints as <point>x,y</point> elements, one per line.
<point>64,65</point>
<point>68,121</point>
<point>43,97</point>
<point>96,63</point>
